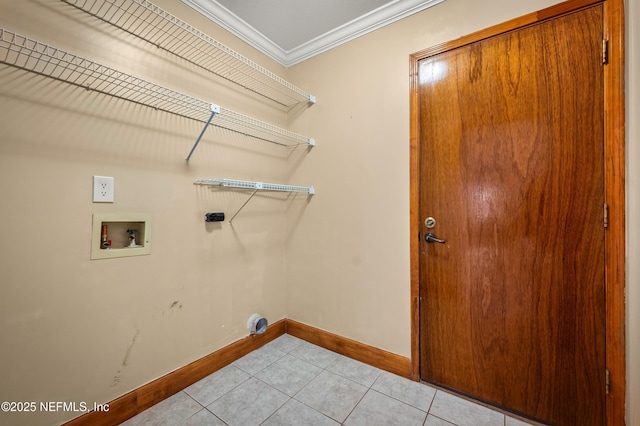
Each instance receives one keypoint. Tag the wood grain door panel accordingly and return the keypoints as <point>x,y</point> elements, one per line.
<point>511,166</point>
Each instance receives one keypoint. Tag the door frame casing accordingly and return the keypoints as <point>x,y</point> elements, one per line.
<point>614,169</point>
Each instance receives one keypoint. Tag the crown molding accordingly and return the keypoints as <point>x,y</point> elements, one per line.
<point>360,26</point>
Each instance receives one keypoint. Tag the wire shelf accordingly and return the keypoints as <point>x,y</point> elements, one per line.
<point>260,186</point>
<point>34,56</point>
<point>255,186</point>
<point>153,24</point>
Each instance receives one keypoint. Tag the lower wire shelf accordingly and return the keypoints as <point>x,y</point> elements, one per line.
<point>255,186</point>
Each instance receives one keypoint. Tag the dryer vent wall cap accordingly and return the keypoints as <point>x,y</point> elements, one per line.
<point>257,324</point>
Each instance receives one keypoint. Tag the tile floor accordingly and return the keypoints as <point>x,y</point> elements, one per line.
<point>292,382</point>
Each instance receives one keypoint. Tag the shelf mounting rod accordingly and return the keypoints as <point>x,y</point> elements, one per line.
<point>215,109</point>
<point>245,203</point>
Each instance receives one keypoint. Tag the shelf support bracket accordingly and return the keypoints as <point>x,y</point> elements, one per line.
<point>258,186</point>
<point>215,109</point>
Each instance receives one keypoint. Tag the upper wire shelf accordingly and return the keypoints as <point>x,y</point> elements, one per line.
<point>153,24</point>
<point>40,58</point>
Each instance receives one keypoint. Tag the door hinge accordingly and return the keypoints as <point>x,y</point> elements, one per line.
<point>607,382</point>
<point>605,51</point>
<point>606,215</point>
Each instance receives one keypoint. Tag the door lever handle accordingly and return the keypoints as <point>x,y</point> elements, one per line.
<point>431,238</point>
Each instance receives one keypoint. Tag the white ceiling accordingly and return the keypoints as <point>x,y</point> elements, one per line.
<point>291,31</point>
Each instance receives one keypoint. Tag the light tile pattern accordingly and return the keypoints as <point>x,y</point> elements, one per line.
<point>289,382</point>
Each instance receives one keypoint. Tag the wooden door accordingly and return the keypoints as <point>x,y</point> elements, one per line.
<point>512,304</point>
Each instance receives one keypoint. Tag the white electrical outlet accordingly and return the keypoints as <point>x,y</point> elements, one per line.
<point>103,189</point>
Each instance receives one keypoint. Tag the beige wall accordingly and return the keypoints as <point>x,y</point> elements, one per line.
<point>348,255</point>
<point>79,330</point>
<point>73,329</point>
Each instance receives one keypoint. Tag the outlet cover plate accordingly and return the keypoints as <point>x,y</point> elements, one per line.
<point>103,189</point>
